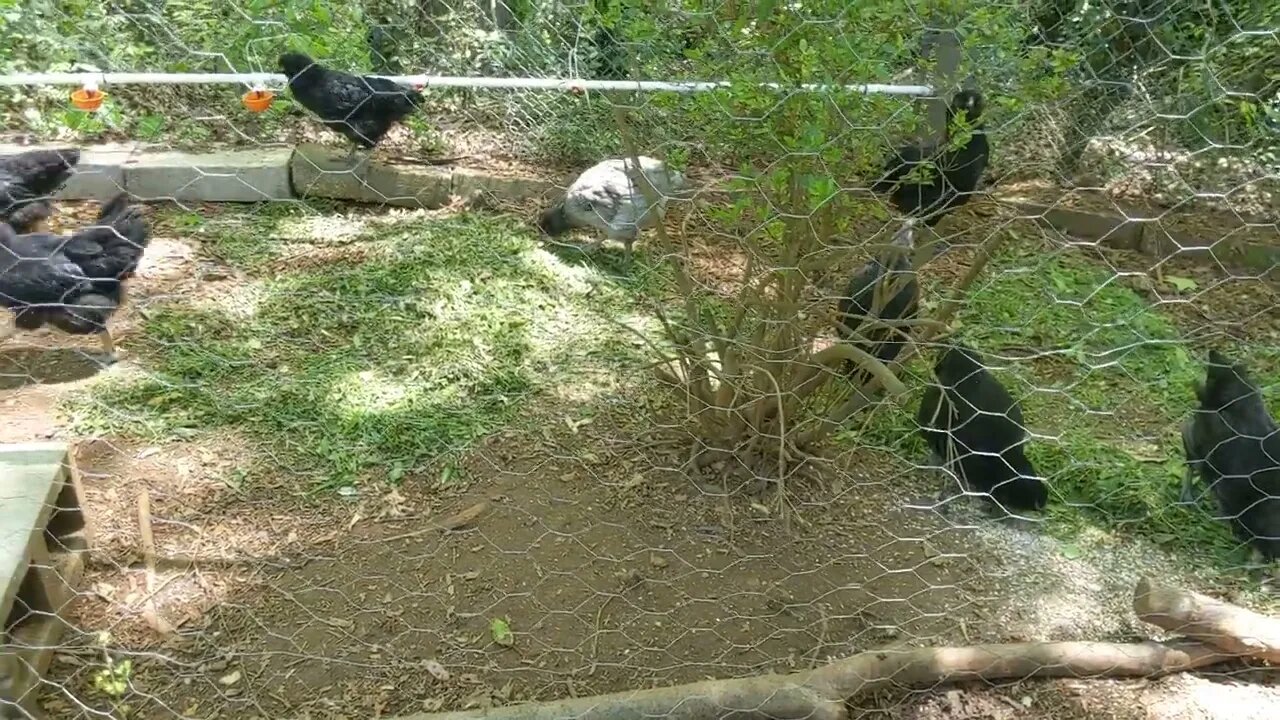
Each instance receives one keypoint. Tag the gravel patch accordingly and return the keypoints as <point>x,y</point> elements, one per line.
<point>1065,591</point>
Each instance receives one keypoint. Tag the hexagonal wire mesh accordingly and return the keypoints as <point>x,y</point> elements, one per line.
<point>415,454</point>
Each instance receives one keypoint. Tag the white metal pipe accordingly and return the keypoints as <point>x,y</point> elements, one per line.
<point>510,83</point>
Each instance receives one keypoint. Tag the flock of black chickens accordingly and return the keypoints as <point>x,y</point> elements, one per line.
<point>71,282</point>
<point>974,428</point>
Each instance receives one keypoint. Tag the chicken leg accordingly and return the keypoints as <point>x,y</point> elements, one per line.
<point>108,346</point>
<point>626,254</point>
<point>358,159</point>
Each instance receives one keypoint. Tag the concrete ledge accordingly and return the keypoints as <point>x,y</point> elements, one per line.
<point>276,174</point>
<point>319,171</point>
<point>100,174</point>
<point>310,170</point>
<point>468,181</point>
<point>1110,231</point>
<point>1150,236</point>
<point>230,176</point>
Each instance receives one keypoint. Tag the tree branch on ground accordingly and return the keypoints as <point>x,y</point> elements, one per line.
<point>1228,627</point>
<point>823,693</point>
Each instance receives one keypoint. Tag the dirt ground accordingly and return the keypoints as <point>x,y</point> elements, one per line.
<point>609,567</point>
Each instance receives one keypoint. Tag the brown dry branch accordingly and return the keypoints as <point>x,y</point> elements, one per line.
<point>1228,632</point>
<point>1228,627</point>
<point>822,694</point>
<point>457,521</point>
<point>147,540</point>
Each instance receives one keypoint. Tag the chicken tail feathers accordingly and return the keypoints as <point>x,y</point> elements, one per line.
<point>122,236</point>
<point>85,314</point>
<point>113,207</point>
<point>884,185</point>
<point>680,186</point>
<point>891,175</point>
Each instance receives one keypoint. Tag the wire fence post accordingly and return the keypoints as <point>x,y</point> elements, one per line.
<point>942,46</point>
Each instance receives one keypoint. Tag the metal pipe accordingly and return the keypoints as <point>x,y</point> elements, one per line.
<point>510,83</point>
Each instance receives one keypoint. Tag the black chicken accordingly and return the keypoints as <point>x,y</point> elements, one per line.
<point>73,283</point>
<point>974,428</point>
<point>885,289</point>
<point>1233,444</point>
<point>361,107</point>
<point>28,180</point>
<point>955,174</point>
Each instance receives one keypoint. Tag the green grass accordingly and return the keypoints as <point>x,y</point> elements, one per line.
<point>1109,391</point>
<point>373,366</point>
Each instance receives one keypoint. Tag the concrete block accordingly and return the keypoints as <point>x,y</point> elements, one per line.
<point>1260,257</point>
<point>467,182</point>
<point>325,172</point>
<point>98,176</point>
<point>1107,230</point>
<point>1252,246</point>
<point>228,176</point>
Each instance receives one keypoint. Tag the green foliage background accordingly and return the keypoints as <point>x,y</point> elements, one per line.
<point>1203,74</point>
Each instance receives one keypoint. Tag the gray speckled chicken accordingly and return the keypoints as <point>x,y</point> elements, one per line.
<point>605,198</point>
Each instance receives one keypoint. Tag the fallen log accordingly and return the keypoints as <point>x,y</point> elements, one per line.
<point>1230,628</point>
<point>821,694</point>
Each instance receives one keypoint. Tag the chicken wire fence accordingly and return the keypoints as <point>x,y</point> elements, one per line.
<point>365,460</point>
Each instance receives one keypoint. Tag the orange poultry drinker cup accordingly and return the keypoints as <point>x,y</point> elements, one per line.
<point>87,98</point>
<point>257,100</point>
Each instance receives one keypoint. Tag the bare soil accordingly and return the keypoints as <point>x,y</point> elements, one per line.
<point>610,567</point>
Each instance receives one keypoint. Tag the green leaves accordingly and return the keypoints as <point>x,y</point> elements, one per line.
<point>500,631</point>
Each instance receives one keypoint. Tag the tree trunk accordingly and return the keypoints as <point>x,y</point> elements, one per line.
<point>504,20</point>
<point>1227,627</point>
<point>943,46</point>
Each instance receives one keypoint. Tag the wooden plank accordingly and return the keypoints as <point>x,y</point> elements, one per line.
<point>31,643</point>
<point>76,498</point>
<point>29,489</point>
<point>68,528</point>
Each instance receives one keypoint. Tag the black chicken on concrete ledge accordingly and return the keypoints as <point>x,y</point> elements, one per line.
<point>363,108</point>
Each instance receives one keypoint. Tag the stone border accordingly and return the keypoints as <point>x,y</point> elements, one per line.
<point>1149,236</point>
<point>275,174</point>
<point>309,170</point>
